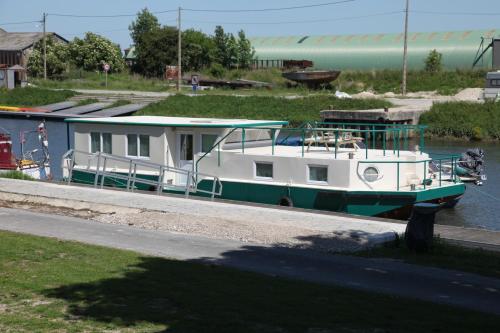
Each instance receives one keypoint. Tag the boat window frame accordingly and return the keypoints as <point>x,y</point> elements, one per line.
<point>379,174</point>
<point>101,142</point>
<point>261,177</point>
<point>317,182</point>
<point>201,134</point>
<point>138,142</point>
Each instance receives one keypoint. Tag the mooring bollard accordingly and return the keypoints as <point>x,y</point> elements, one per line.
<point>420,228</point>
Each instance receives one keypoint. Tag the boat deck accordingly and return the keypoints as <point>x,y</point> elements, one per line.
<point>320,152</point>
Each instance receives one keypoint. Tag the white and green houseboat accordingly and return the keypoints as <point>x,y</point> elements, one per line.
<point>332,166</point>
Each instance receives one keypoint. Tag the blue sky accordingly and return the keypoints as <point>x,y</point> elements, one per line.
<point>345,18</point>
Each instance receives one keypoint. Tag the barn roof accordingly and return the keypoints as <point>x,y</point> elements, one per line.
<point>19,41</point>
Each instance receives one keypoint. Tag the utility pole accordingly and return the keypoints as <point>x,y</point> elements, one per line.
<point>44,46</point>
<point>405,51</point>
<point>179,56</point>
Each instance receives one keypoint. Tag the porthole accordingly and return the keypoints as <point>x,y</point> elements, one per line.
<point>371,174</point>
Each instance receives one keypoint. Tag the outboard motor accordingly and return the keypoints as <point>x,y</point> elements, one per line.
<point>471,164</point>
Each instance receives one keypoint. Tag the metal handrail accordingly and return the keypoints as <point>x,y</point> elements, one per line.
<point>100,173</point>
<point>452,158</point>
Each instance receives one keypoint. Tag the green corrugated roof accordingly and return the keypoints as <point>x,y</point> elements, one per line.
<point>366,51</point>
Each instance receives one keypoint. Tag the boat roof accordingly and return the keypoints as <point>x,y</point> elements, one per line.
<point>178,121</point>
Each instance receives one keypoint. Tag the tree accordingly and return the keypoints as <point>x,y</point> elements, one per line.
<point>57,58</point>
<point>91,52</point>
<point>144,23</point>
<point>433,63</point>
<point>196,50</point>
<point>220,46</point>
<point>246,52</point>
<point>231,58</point>
<point>157,49</point>
<point>225,50</point>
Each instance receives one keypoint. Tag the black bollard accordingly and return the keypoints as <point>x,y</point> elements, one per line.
<point>420,228</point>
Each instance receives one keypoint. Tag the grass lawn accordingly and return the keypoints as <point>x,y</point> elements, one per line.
<point>380,81</point>
<point>26,97</point>
<point>295,110</point>
<point>94,80</point>
<point>15,175</point>
<point>48,285</point>
<point>443,255</point>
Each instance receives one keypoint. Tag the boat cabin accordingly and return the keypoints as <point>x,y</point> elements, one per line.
<point>333,167</point>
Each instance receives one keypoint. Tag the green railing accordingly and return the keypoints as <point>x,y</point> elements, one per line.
<point>439,163</point>
<point>399,133</point>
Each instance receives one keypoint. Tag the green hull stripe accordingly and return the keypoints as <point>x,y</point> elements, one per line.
<point>367,203</point>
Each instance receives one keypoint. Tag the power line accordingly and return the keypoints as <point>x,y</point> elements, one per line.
<point>25,22</point>
<point>109,16</point>
<point>304,21</point>
<point>267,9</point>
<point>454,13</point>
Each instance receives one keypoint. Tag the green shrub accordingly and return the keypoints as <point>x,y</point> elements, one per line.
<point>217,70</point>
<point>464,120</point>
<point>433,62</point>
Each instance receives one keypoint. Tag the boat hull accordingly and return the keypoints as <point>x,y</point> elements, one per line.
<point>390,204</point>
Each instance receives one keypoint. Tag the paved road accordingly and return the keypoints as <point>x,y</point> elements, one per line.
<point>380,275</point>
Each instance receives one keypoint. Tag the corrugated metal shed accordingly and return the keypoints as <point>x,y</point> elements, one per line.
<point>375,51</point>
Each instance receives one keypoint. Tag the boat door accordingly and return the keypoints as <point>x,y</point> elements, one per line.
<point>185,155</point>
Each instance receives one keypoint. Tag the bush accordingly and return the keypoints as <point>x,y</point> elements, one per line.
<point>464,120</point>
<point>433,63</point>
<point>217,70</point>
<point>91,52</point>
<point>57,59</point>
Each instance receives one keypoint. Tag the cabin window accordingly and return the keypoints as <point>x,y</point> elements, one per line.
<point>318,173</point>
<point>106,143</point>
<point>138,145</point>
<point>207,141</point>
<point>144,145</point>
<point>95,142</point>
<point>100,142</point>
<point>186,147</point>
<point>264,170</point>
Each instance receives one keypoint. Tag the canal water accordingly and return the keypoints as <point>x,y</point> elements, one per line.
<point>480,206</point>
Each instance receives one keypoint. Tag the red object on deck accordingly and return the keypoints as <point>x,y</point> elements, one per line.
<point>7,159</point>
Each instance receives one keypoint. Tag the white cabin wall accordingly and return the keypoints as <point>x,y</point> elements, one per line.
<point>342,173</point>
<point>119,142</point>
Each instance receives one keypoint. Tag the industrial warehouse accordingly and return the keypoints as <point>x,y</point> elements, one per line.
<point>460,49</point>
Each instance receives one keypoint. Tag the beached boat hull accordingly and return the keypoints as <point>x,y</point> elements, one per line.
<point>312,78</point>
<point>390,204</point>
